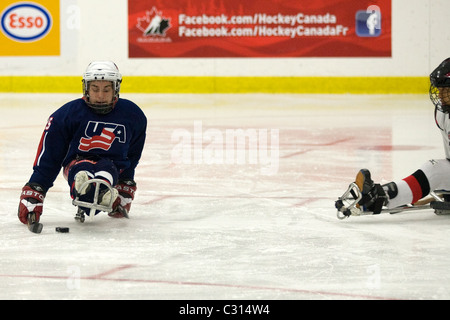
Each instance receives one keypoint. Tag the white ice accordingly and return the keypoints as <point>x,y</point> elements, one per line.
<point>231,231</point>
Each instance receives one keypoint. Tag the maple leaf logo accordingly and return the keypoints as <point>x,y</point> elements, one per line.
<point>153,23</point>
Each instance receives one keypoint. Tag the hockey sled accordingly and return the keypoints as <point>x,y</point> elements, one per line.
<point>347,204</point>
<point>94,205</point>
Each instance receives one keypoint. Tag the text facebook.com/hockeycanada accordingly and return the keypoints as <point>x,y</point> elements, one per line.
<point>209,146</point>
<point>260,25</point>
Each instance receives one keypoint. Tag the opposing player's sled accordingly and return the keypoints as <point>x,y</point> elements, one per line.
<point>93,206</point>
<point>347,205</point>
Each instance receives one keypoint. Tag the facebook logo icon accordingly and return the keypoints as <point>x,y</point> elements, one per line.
<point>368,22</point>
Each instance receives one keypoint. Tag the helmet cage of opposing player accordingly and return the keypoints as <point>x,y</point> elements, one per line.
<point>106,71</point>
<point>440,86</point>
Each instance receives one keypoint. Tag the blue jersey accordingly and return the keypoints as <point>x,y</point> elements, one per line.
<point>75,130</point>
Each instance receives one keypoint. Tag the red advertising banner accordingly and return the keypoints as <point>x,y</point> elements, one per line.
<point>259,28</point>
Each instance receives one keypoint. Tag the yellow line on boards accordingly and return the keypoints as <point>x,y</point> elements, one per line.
<point>186,84</point>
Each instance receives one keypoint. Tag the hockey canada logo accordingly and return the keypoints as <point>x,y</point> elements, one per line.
<point>153,26</point>
<point>101,135</point>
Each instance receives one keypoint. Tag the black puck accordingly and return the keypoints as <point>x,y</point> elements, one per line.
<point>62,229</point>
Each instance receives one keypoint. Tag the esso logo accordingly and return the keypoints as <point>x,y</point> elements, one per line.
<point>25,22</point>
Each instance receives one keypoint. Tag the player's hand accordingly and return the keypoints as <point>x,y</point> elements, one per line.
<point>31,200</point>
<point>122,205</point>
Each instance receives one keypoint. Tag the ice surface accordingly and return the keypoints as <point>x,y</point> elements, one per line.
<point>232,230</point>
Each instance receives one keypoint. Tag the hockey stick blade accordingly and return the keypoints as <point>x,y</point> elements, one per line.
<point>33,225</point>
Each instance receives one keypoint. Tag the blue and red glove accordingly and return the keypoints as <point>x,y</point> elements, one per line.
<point>31,201</point>
<point>122,205</point>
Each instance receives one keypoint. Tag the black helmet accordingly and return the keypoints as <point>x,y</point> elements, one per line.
<point>439,87</point>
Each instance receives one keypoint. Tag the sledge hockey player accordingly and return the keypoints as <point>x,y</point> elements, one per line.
<point>99,136</point>
<point>432,175</point>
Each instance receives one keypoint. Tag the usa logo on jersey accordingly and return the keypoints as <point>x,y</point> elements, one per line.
<point>101,135</point>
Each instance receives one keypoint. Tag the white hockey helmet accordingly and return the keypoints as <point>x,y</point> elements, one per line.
<point>102,70</point>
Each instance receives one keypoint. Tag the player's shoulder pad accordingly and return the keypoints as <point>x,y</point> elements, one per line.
<point>69,108</point>
<point>130,106</point>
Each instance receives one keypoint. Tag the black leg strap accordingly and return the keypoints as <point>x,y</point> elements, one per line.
<point>380,199</point>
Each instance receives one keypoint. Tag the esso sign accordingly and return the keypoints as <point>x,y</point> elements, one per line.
<point>25,21</point>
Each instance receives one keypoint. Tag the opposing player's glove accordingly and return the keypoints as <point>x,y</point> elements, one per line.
<point>31,201</point>
<point>122,205</point>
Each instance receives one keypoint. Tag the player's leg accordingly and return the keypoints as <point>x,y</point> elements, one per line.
<point>433,175</point>
<point>106,170</point>
<point>82,171</point>
<point>78,173</point>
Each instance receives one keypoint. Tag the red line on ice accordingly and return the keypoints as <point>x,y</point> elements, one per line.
<point>101,277</point>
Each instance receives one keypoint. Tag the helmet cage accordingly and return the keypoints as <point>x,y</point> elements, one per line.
<point>438,95</point>
<point>102,71</point>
